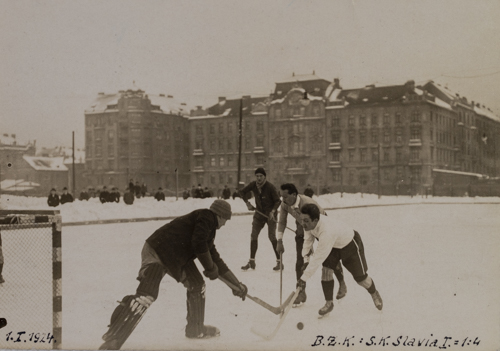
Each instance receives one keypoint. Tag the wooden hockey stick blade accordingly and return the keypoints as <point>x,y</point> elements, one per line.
<point>275,310</point>
<point>282,319</point>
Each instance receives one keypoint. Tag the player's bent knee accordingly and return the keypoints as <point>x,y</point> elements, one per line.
<point>361,279</point>
<point>326,274</point>
<point>150,281</point>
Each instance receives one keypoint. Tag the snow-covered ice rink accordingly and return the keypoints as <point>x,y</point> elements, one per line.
<point>436,267</point>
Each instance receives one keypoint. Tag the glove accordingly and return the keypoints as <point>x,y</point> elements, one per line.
<point>213,273</point>
<point>242,292</point>
<point>279,247</point>
<point>304,266</point>
<point>250,207</point>
<point>301,284</point>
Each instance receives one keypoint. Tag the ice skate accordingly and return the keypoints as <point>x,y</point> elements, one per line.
<point>326,309</point>
<point>301,299</point>
<point>208,332</point>
<point>342,290</point>
<point>112,344</point>
<point>249,265</point>
<point>277,268</point>
<point>377,300</point>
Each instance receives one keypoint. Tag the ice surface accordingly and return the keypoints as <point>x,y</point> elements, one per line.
<point>436,267</point>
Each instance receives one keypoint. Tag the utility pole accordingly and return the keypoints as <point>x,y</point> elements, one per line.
<point>341,179</point>
<point>240,133</point>
<point>378,170</point>
<point>176,184</point>
<point>73,181</point>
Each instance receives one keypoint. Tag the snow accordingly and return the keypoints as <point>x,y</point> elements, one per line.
<point>46,163</point>
<point>434,264</point>
<point>148,207</point>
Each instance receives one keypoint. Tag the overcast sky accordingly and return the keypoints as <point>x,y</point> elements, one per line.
<point>56,56</point>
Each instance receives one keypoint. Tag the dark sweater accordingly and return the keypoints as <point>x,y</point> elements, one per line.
<point>266,200</point>
<point>181,240</point>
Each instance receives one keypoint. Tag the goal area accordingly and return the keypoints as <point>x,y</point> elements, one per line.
<point>31,294</point>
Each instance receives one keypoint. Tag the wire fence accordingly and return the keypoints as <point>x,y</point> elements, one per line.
<point>30,295</point>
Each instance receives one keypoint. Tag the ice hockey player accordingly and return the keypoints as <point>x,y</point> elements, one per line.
<point>267,201</point>
<point>172,250</point>
<point>337,241</point>
<point>292,204</point>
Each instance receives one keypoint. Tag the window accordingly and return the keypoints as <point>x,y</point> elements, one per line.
<point>362,153</point>
<point>198,144</point>
<point>277,112</point>
<point>387,137</point>
<point>362,137</point>
<point>230,161</point>
<point>351,121</point>
<point>432,134</point>
<point>212,179</point>
<point>363,179</point>
<point>415,154</point>
<point>386,154</point>
<point>415,133</point>
<point>259,160</point>
<point>374,155</point>
<point>98,149</point>
<point>432,154</point>
<point>212,162</point>
<point>351,155</point>
<point>336,156</point>
<point>336,175</point>
<point>315,110</point>
<point>259,140</point>
<point>199,130</point>
<point>229,128</point>
<point>199,161</point>
<point>335,137</point>
<point>386,174</point>
<point>111,135</point>
<point>374,120</point>
<point>387,119</point>
<point>229,145</point>
<point>111,150</point>
<point>351,177</point>
<point>247,161</point>
<point>247,143</point>
<point>247,126</point>
<point>374,136</point>
<point>212,128</point>
<point>221,144</point>
<point>362,120</point>
<point>415,174</point>
<point>351,138</point>
<point>398,118</point>
<point>399,155</point>
<point>260,126</point>
<point>221,162</point>
<point>212,145</point>
<point>336,121</point>
<point>415,116</point>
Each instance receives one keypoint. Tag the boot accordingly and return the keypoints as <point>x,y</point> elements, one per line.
<point>208,332</point>
<point>277,268</point>
<point>250,264</point>
<point>377,300</point>
<point>301,299</point>
<point>342,290</point>
<point>327,308</point>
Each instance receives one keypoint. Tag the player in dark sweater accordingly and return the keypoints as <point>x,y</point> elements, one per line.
<point>172,250</point>
<point>267,201</point>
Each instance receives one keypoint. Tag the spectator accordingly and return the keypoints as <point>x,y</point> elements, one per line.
<point>114,195</point>
<point>104,195</point>
<point>66,197</point>
<point>144,189</point>
<point>92,192</point>
<point>53,200</point>
<point>160,196</point>
<point>128,197</point>
<point>131,184</point>
<point>193,192</point>
<point>226,193</point>
<point>137,190</point>
<point>186,194</point>
<point>309,191</point>
<point>206,193</point>
<point>199,192</point>
<point>84,195</point>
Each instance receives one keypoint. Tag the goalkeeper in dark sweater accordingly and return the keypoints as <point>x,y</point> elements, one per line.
<point>172,250</point>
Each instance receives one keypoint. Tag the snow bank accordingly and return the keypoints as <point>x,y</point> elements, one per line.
<point>92,210</point>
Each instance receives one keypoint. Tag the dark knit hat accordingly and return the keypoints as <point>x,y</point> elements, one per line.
<point>221,208</point>
<point>261,171</point>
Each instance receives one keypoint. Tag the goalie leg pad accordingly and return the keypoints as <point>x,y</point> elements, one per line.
<point>326,274</point>
<point>149,280</point>
<point>124,319</point>
<point>195,286</point>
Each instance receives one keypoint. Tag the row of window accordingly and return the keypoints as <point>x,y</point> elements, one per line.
<point>385,175</point>
<point>231,161</point>
<point>373,120</point>
<point>372,155</point>
<point>296,111</point>
<point>415,134</point>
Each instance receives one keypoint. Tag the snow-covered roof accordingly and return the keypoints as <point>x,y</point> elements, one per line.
<point>169,104</point>
<point>46,163</point>
<point>17,185</point>
<point>100,104</point>
<point>486,113</point>
<point>437,101</point>
<point>457,172</point>
<point>299,78</point>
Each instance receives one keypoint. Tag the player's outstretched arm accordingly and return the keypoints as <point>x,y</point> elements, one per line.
<point>231,278</point>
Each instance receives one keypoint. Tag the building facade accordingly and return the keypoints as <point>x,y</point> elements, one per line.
<point>131,135</point>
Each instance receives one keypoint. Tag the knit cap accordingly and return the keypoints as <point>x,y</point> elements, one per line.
<point>221,208</point>
<point>261,171</point>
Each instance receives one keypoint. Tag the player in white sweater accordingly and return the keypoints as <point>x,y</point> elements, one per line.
<point>337,241</point>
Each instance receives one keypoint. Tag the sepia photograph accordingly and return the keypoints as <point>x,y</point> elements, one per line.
<point>249,175</point>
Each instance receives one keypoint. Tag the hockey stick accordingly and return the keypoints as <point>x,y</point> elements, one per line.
<point>288,307</point>
<point>275,310</point>
<point>256,210</point>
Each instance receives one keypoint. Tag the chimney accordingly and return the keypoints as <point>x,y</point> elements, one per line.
<point>183,104</point>
<point>170,96</point>
<point>199,107</point>
<point>121,91</point>
<point>336,83</point>
<point>100,93</point>
<point>370,86</point>
<point>222,98</point>
<point>410,85</point>
<point>162,95</point>
<point>245,97</point>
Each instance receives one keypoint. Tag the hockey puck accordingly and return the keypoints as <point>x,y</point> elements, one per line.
<point>300,325</point>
